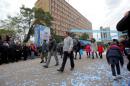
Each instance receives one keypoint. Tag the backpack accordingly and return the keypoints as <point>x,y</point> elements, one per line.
<point>114,51</point>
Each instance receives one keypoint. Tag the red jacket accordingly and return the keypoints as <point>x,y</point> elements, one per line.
<point>33,48</point>
<point>122,47</point>
<point>88,48</point>
<point>100,49</point>
<point>114,46</point>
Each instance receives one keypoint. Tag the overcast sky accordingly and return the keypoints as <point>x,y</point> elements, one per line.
<point>99,12</point>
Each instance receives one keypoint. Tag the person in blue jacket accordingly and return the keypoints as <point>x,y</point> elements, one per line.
<point>114,59</point>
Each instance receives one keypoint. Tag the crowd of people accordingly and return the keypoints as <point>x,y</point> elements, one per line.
<point>93,50</point>
<point>11,51</point>
<point>114,55</point>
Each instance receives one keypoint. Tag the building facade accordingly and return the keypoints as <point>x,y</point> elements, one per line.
<point>105,34</point>
<point>65,17</point>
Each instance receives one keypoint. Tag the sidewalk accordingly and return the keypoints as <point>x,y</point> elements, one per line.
<point>31,73</point>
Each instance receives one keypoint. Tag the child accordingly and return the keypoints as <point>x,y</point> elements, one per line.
<point>114,57</point>
<point>33,50</point>
<point>100,50</point>
<point>94,49</point>
<point>44,51</point>
<point>88,50</point>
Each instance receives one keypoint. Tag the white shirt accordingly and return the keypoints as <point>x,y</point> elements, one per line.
<point>68,44</point>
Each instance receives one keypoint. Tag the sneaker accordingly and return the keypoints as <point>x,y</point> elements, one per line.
<point>42,61</point>
<point>119,77</point>
<point>45,66</point>
<point>56,64</point>
<point>72,69</point>
<point>114,77</point>
<point>60,70</point>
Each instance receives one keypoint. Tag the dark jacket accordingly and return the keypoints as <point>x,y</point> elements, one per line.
<point>60,48</point>
<point>44,47</point>
<point>52,45</point>
<point>114,55</point>
<point>77,45</point>
<point>124,25</point>
<point>25,50</point>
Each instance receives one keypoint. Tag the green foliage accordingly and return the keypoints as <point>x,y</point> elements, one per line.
<point>84,36</point>
<point>7,32</point>
<point>93,40</point>
<point>27,12</point>
<point>42,18</point>
<point>11,22</point>
<point>58,38</point>
<point>27,19</point>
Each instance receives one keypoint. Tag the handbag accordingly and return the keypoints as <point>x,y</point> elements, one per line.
<point>127,50</point>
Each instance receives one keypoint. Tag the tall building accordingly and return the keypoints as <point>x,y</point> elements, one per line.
<point>64,15</point>
<point>105,34</point>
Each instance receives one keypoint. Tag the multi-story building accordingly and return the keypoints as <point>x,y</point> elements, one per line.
<point>65,16</point>
<point>105,34</point>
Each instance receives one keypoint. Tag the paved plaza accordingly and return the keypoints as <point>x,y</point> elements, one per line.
<point>87,72</point>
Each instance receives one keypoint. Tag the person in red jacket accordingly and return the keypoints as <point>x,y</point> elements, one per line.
<point>33,50</point>
<point>88,50</point>
<point>100,50</point>
<point>122,47</point>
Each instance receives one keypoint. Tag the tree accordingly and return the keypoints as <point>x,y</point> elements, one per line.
<point>9,23</point>
<point>93,40</point>
<point>12,23</point>
<point>7,32</point>
<point>27,19</point>
<point>42,18</point>
<point>27,16</point>
<point>84,36</point>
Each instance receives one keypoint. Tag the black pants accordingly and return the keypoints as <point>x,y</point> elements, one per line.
<point>128,65</point>
<point>76,54</point>
<point>100,54</point>
<point>88,54</point>
<point>93,55</point>
<point>4,57</point>
<point>128,57</point>
<point>66,55</point>
<point>115,68</point>
<point>0,59</point>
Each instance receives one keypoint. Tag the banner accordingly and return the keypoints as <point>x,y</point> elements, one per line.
<point>41,33</point>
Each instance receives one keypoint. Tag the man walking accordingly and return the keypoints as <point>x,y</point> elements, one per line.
<point>68,52</point>
<point>52,52</point>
